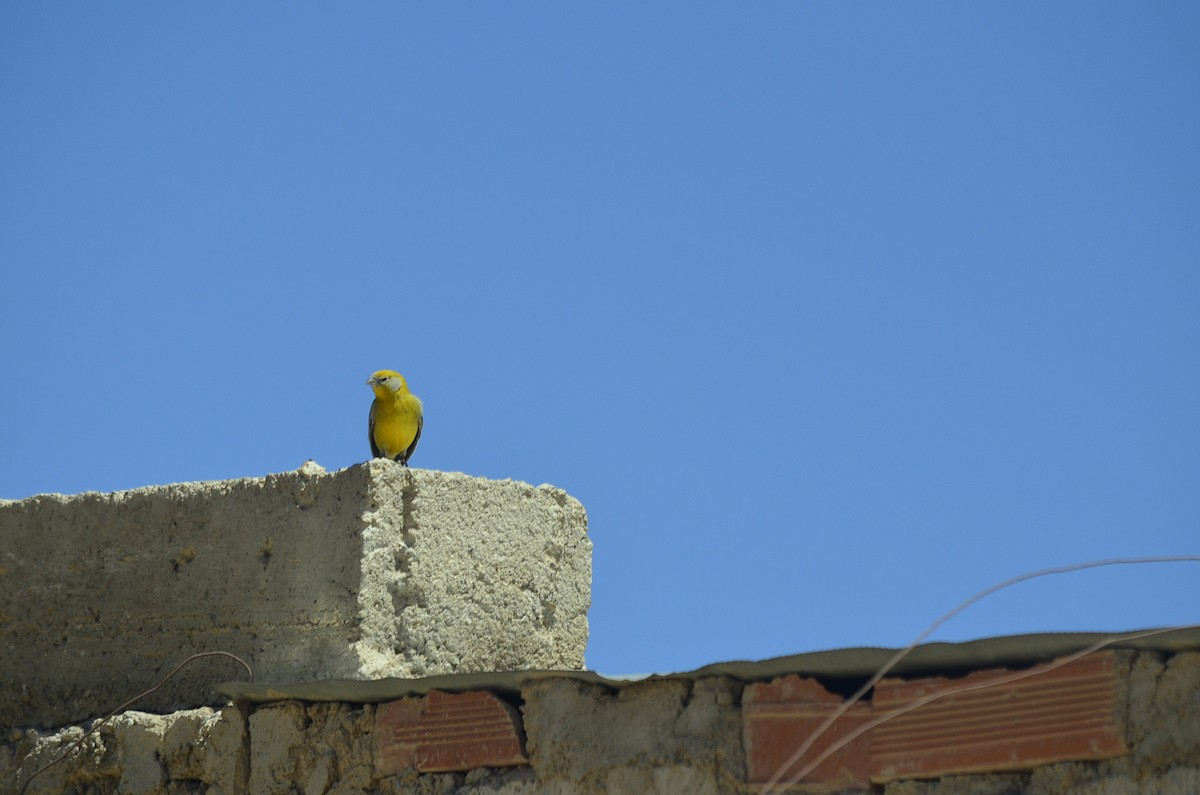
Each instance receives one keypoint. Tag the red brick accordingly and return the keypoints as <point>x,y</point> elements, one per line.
<point>779,716</point>
<point>444,732</point>
<point>1068,713</point>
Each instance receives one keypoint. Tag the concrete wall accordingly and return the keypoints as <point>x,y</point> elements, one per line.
<point>380,571</point>
<point>660,736</point>
<point>372,571</point>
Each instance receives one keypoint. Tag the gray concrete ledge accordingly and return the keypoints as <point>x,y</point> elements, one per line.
<point>371,571</point>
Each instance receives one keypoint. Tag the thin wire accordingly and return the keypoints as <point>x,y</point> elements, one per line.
<point>774,781</point>
<point>75,745</point>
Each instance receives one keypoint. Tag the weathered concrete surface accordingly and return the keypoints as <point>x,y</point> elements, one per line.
<point>371,571</point>
<point>660,737</point>
<point>136,753</point>
<point>657,736</point>
<point>314,746</point>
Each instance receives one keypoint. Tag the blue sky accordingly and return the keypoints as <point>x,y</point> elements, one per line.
<point>830,314</point>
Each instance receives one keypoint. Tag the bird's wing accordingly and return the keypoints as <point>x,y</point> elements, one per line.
<point>408,453</point>
<point>371,431</point>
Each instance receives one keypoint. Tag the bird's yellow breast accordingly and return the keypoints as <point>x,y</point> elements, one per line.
<point>394,423</point>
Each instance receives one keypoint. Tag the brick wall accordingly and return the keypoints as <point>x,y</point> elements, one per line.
<point>1112,722</point>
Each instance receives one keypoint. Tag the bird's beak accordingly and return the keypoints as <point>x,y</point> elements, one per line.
<point>372,381</point>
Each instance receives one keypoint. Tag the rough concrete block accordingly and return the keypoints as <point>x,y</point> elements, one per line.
<point>277,733</point>
<point>297,747</point>
<point>659,736</point>
<point>372,571</point>
<point>134,753</point>
<point>1163,710</point>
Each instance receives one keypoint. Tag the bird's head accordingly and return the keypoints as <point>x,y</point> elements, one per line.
<point>386,383</point>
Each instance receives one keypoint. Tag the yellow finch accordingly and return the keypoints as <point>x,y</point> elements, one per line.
<point>395,422</point>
